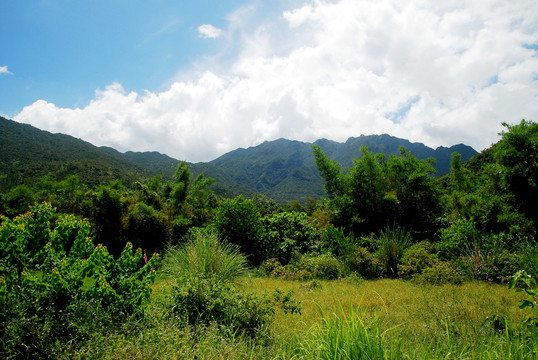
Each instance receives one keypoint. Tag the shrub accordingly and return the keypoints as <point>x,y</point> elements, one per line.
<point>365,263</point>
<point>287,233</point>
<point>204,256</point>
<point>496,268</point>
<point>529,260</point>
<point>442,272</point>
<point>456,239</point>
<point>198,301</point>
<point>304,267</point>
<point>202,301</point>
<point>324,266</point>
<point>334,241</point>
<point>416,259</point>
<point>56,287</point>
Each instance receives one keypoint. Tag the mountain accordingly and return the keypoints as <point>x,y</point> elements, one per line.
<point>283,170</point>
<point>27,152</point>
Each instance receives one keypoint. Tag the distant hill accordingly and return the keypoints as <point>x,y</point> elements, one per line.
<point>27,152</point>
<point>283,170</point>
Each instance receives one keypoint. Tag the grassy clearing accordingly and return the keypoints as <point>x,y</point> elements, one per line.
<point>427,321</point>
<point>341,319</point>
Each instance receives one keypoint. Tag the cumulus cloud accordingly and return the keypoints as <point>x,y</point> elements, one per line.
<point>438,73</point>
<point>4,70</point>
<point>208,31</point>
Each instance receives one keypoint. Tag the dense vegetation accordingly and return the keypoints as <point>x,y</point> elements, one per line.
<point>73,285</point>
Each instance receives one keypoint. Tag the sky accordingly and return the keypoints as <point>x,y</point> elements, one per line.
<point>195,79</point>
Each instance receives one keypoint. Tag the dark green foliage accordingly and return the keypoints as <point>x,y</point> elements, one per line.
<point>202,301</point>
<point>457,239</point>
<point>323,266</point>
<point>238,221</point>
<point>365,264</point>
<point>305,267</point>
<point>287,233</point>
<point>518,153</point>
<point>18,200</point>
<point>529,259</point>
<point>146,227</point>
<point>106,216</point>
<point>377,192</point>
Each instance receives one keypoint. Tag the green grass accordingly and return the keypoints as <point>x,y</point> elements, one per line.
<point>387,319</point>
<point>204,255</point>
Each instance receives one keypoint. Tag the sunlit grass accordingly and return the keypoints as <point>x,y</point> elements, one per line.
<point>409,320</point>
<point>437,319</point>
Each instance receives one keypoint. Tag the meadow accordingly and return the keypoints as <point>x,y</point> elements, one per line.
<point>388,318</point>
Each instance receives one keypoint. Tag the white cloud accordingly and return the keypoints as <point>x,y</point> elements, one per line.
<point>4,70</point>
<point>208,31</point>
<point>439,73</point>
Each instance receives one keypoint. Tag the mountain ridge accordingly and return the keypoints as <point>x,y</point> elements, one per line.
<point>281,169</point>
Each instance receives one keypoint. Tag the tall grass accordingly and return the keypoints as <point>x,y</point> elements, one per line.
<point>392,245</point>
<point>205,256</point>
<point>345,336</point>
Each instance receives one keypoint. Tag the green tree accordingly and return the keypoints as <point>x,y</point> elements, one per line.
<point>377,192</point>
<point>518,153</point>
<point>239,222</point>
<point>107,216</point>
<point>286,233</point>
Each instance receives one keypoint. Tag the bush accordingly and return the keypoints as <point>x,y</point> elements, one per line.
<point>305,267</point>
<point>198,301</point>
<point>203,301</point>
<point>287,233</point>
<point>416,259</point>
<point>457,238</point>
<point>497,268</point>
<point>57,288</point>
<point>323,266</point>
<point>529,260</point>
<point>440,273</point>
<point>365,263</point>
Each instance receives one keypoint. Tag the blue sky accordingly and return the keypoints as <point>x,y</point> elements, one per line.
<point>62,51</point>
<point>195,79</point>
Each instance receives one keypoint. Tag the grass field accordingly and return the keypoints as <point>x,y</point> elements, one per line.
<point>398,319</point>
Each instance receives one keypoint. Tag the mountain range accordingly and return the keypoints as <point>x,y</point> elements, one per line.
<point>283,170</point>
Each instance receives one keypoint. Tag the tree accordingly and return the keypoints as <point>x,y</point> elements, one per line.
<point>377,192</point>
<point>239,222</point>
<point>518,153</point>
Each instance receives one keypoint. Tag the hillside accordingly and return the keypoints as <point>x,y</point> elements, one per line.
<point>27,152</point>
<point>283,170</point>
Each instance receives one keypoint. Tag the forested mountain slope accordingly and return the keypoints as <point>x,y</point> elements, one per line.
<point>283,170</point>
<point>27,152</point>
